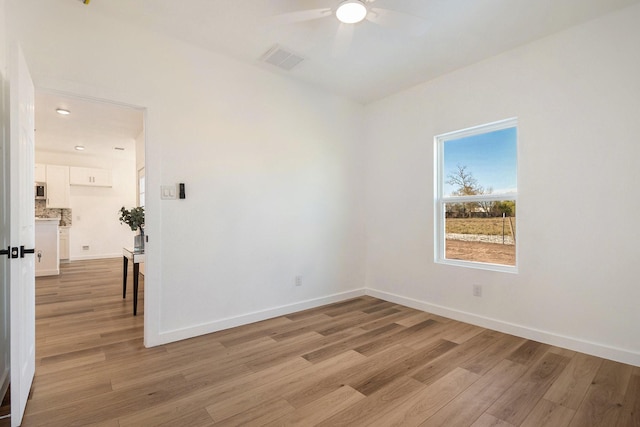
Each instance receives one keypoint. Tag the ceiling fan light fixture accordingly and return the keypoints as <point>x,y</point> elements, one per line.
<point>351,11</point>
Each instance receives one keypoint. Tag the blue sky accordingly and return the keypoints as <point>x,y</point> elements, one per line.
<point>490,157</point>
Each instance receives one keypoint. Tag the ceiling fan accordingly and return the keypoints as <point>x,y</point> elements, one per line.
<point>348,13</point>
<point>351,12</point>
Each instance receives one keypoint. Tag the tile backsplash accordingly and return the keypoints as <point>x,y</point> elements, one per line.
<point>43,212</point>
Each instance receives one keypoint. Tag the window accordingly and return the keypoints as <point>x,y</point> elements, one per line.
<point>141,187</point>
<point>476,195</point>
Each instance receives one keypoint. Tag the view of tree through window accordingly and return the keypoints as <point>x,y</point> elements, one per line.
<point>476,195</point>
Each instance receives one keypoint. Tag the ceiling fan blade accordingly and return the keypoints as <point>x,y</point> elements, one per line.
<point>417,25</point>
<point>300,16</point>
<point>342,41</point>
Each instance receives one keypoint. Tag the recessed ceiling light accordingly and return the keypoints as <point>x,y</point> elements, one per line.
<point>351,11</point>
<point>79,147</point>
<point>63,111</point>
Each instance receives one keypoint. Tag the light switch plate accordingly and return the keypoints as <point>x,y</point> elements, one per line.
<point>168,192</point>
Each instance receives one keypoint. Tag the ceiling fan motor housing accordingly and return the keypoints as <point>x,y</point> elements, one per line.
<point>351,11</point>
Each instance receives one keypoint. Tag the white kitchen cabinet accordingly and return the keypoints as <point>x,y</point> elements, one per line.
<point>40,173</point>
<point>58,192</point>
<point>64,243</point>
<point>47,247</point>
<point>90,176</point>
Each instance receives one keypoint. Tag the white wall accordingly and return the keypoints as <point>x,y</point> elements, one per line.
<point>272,168</point>
<point>577,98</point>
<point>95,210</point>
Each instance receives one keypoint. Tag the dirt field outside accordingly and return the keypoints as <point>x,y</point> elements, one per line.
<point>494,253</point>
<point>487,240</point>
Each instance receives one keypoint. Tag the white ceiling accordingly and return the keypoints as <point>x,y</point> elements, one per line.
<point>412,41</point>
<point>98,126</point>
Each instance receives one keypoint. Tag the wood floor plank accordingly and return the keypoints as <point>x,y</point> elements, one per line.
<point>529,352</point>
<point>348,376</point>
<point>548,414</point>
<point>368,410</point>
<point>488,420</point>
<point>320,409</point>
<point>380,305</point>
<point>240,402</point>
<point>415,318</point>
<point>487,358</point>
<point>204,390</point>
<point>337,308</point>
<point>603,404</point>
<point>198,418</point>
<point>102,408</point>
<point>233,389</point>
<point>169,415</point>
<point>630,415</point>
<point>376,346</point>
<point>519,399</point>
<point>391,315</point>
<point>572,384</point>
<point>305,325</point>
<point>251,334</point>
<point>332,349</point>
<point>366,362</point>
<point>467,407</point>
<point>459,355</point>
<point>258,415</point>
<point>419,407</point>
<point>79,392</point>
<point>404,366</point>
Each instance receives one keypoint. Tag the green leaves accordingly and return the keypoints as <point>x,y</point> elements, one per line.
<point>134,218</point>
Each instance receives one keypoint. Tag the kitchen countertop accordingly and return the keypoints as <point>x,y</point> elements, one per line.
<point>47,219</point>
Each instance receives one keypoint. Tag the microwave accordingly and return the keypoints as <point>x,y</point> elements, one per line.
<point>41,191</point>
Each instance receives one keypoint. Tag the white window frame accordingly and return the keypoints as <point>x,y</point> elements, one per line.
<point>441,200</point>
<point>141,187</point>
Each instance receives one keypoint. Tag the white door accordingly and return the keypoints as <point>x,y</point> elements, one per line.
<point>22,233</point>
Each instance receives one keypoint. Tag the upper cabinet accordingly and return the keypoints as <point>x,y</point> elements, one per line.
<point>57,179</point>
<point>40,173</point>
<point>90,176</point>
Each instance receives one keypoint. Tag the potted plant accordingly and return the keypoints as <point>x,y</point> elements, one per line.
<point>134,218</point>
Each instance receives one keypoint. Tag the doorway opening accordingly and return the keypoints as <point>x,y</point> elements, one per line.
<point>91,155</point>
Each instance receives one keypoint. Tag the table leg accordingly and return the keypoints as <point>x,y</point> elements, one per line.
<point>124,277</point>
<point>136,270</point>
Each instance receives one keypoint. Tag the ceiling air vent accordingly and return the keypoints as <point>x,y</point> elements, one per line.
<point>282,58</point>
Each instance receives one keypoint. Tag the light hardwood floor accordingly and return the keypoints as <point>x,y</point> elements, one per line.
<point>358,362</point>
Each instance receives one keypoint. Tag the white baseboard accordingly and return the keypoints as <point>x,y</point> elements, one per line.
<point>90,257</point>
<point>595,349</point>
<point>50,272</point>
<point>231,322</point>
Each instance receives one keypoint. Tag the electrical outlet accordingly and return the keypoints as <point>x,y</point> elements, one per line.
<point>477,290</point>
<point>298,281</point>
